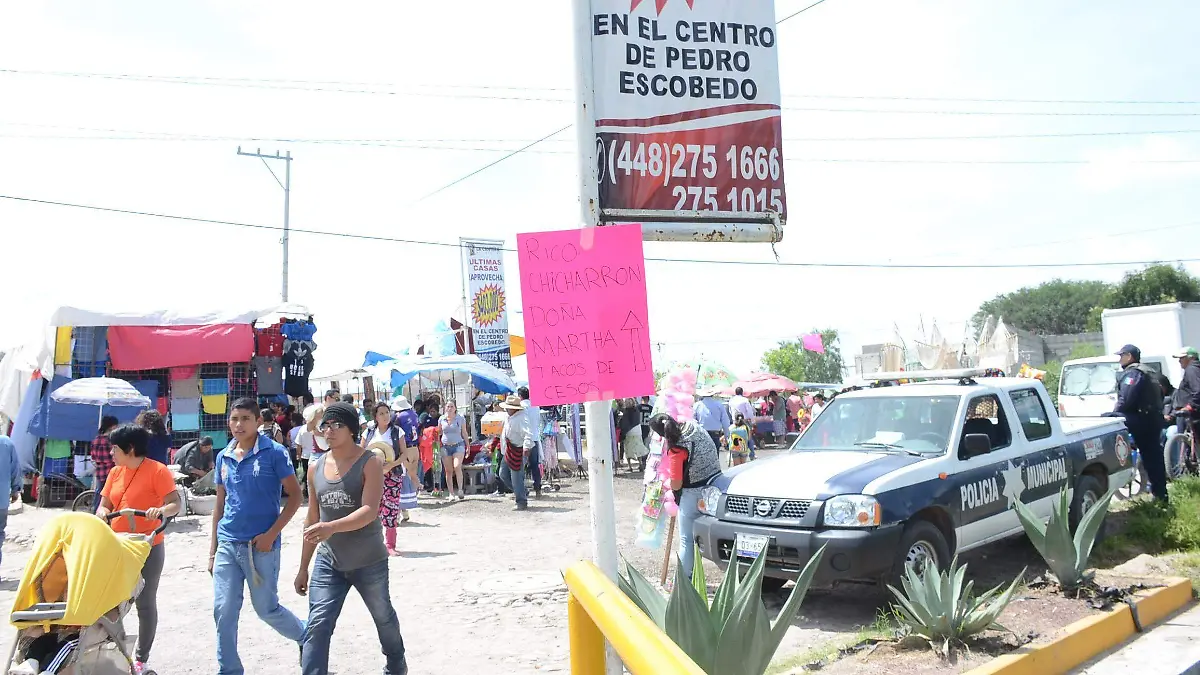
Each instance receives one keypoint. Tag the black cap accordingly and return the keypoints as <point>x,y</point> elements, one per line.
<point>1130,350</point>
<point>344,413</point>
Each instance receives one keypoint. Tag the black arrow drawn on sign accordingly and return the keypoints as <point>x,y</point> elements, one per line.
<point>633,326</point>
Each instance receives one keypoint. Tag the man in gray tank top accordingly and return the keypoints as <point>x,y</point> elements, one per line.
<point>342,528</point>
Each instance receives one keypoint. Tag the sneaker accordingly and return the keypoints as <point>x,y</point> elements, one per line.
<point>537,494</point>
<point>461,496</point>
<point>521,507</point>
<point>406,517</point>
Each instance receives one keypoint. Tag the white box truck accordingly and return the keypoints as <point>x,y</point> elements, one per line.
<point>1155,329</point>
<point>1088,387</point>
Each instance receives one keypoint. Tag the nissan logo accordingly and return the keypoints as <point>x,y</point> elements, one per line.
<point>763,508</point>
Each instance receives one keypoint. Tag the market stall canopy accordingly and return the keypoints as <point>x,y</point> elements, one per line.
<point>165,338</point>
<point>77,316</point>
<point>485,377</point>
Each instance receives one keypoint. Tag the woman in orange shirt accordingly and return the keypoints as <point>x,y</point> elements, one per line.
<point>138,482</point>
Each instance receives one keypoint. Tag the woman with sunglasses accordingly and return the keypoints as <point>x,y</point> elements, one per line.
<point>342,540</point>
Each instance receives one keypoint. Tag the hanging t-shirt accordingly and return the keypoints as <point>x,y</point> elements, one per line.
<point>270,342</point>
<point>298,330</point>
<point>270,375</point>
<point>297,366</point>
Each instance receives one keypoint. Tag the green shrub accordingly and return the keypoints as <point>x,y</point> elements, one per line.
<point>1066,556</point>
<point>937,606</point>
<point>733,634</point>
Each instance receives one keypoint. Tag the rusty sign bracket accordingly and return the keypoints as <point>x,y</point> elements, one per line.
<point>700,226</point>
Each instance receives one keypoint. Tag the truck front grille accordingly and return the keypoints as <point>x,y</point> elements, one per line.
<point>737,505</point>
<point>793,509</point>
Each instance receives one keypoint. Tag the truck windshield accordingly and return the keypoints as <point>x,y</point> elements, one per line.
<point>1090,379</point>
<point>873,423</point>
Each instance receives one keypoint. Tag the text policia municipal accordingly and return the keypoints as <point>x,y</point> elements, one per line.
<point>704,59</point>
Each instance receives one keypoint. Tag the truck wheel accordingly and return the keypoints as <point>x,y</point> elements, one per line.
<point>772,585</point>
<point>923,544</point>
<point>1088,491</point>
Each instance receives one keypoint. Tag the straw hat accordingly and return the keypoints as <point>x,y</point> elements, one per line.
<point>383,450</point>
<point>512,402</point>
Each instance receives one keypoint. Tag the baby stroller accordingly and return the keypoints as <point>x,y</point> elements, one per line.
<point>79,584</point>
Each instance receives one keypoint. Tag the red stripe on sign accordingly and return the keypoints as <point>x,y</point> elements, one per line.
<point>688,115</point>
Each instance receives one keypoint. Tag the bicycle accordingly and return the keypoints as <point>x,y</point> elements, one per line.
<point>1179,452</point>
<point>1139,483</point>
<point>85,502</point>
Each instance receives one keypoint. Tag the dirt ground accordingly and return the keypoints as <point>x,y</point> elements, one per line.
<point>478,590</point>
<point>1034,616</point>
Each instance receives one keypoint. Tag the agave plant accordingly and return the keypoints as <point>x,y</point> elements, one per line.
<point>733,633</point>
<point>1066,556</point>
<point>937,606</point>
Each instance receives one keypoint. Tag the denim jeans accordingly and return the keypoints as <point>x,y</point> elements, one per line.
<point>3,520</point>
<point>533,466</point>
<point>327,591</point>
<point>231,570</point>
<point>514,479</point>
<point>689,510</point>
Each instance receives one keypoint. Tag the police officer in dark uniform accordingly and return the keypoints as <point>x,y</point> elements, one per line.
<point>1139,399</point>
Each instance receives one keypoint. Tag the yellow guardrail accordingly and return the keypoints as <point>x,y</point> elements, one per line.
<point>597,610</point>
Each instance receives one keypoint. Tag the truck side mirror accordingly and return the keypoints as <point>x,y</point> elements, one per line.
<point>975,445</point>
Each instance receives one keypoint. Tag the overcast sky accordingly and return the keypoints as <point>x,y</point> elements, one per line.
<point>455,84</point>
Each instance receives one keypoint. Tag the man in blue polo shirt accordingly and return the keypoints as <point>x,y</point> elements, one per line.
<point>247,523</point>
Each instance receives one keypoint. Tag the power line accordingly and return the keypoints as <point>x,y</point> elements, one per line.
<point>952,99</point>
<point>1002,113</point>
<point>238,84</point>
<point>423,143</point>
<point>798,13</point>
<point>491,164</point>
<point>431,91</point>
<point>755,263</point>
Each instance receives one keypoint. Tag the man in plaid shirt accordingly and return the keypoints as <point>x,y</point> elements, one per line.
<point>102,453</point>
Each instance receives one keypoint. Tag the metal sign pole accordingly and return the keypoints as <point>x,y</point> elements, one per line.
<point>599,413</point>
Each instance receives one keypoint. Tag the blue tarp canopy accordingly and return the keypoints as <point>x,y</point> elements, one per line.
<point>486,377</point>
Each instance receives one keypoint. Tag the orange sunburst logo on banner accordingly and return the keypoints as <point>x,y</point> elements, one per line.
<point>488,305</point>
<point>659,4</point>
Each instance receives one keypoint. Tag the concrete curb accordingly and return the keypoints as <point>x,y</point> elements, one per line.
<point>1087,638</point>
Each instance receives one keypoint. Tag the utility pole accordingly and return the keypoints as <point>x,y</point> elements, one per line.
<point>287,197</point>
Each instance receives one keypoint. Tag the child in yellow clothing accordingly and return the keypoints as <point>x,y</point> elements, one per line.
<point>740,444</point>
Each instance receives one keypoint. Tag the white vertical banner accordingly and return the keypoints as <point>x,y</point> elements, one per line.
<point>487,301</point>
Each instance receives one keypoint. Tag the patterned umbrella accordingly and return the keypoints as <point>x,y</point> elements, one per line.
<point>709,374</point>
<point>101,391</point>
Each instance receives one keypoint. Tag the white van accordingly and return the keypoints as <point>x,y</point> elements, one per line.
<point>1088,387</point>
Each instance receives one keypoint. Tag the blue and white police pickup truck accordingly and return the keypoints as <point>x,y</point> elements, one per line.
<point>909,474</point>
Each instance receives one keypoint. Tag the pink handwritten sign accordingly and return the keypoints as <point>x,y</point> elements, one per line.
<point>587,334</point>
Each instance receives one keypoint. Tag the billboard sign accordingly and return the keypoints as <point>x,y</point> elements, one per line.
<point>687,106</point>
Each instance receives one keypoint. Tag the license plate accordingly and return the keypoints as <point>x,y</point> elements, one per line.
<point>750,546</point>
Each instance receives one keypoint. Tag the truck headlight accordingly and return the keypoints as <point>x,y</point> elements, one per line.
<point>709,498</point>
<point>853,511</point>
